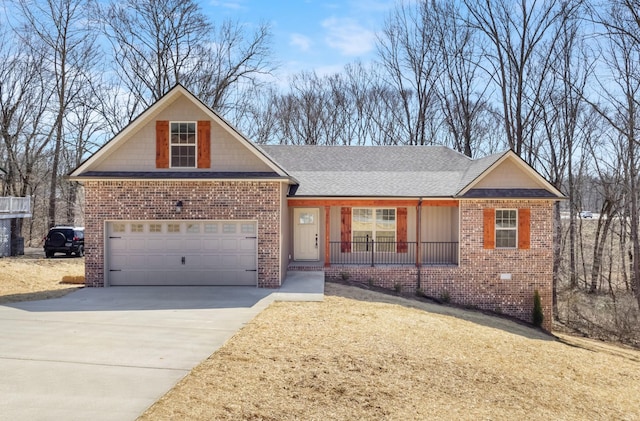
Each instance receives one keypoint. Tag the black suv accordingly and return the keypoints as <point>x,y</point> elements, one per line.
<point>64,240</point>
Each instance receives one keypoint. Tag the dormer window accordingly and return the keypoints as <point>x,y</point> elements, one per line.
<point>184,143</point>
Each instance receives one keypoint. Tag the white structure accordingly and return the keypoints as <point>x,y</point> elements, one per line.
<point>11,208</point>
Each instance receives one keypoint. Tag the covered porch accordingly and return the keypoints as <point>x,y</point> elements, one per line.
<point>372,233</point>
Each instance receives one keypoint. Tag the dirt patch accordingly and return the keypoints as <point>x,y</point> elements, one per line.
<point>365,355</point>
<point>32,277</point>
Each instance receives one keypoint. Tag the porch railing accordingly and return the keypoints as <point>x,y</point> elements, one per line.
<point>15,204</point>
<point>372,253</point>
<point>439,253</point>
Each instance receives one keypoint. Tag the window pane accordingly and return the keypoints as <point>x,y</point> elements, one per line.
<point>385,241</point>
<point>362,220</point>
<point>361,240</point>
<point>306,218</point>
<point>385,219</point>
<point>247,228</point>
<point>506,218</point>
<point>173,228</point>
<point>155,227</point>
<point>193,228</point>
<point>506,238</point>
<point>210,228</point>
<point>229,228</point>
<point>137,228</point>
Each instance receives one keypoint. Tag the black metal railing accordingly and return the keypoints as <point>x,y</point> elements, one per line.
<point>371,253</point>
<point>439,253</point>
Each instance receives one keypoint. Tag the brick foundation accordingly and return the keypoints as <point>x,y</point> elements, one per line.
<point>155,200</point>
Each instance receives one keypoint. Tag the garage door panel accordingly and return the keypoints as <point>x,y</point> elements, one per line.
<point>229,244</point>
<point>151,253</point>
<point>174,244</point>
<point>211,244</point>
<point>135,244</point>
<point>247,244</point>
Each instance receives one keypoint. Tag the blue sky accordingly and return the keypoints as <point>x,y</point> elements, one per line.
<point>320,35</point>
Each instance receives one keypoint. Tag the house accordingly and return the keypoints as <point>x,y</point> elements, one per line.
<point>180,197</point>
<point>12,211</point>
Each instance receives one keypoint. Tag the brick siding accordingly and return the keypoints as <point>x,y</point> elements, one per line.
<point>155,200</point>
<point>476,282</point>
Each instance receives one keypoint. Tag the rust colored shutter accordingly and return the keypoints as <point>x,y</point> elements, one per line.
<point>402,230</point>
<point>524,228</point>
<point>162,144</point>
<point>204,144</point>
<point>489,228</point>
<point>345,230</point>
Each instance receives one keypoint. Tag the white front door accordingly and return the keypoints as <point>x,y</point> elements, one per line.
<point>306,244</point>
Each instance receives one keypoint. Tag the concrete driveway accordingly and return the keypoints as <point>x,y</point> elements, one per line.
<point>110,353</point>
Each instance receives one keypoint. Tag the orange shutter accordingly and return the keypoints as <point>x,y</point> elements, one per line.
<point>402,230</point>
<point>524,228</point>
<point>345,230</point>
<point>489,228</point>
<point>162,144</point>
<point>204,144</point>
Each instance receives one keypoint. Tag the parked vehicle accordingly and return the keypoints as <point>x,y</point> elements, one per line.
<point>65,240</point>
<point>586,214</point>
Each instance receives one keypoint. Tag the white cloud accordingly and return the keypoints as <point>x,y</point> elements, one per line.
<point>349,37</point>
<point>302,42</point>
<point>229,4</point>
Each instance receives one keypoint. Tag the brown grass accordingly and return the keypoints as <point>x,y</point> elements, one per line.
<point>36,278</point>
<point>365,355</point>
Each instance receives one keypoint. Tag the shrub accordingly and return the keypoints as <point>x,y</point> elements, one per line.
<point>397,287</point>
<point>345,276</point>
<point>538,315</point>
<point>445,297</point>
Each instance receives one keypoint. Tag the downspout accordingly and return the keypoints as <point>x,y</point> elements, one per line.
<point>418,243</point>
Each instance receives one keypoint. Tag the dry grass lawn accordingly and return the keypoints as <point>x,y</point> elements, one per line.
<point>32,277</point>
<point>365,355</point>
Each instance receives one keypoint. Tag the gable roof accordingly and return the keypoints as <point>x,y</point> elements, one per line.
<point>85,169</point>
<point>396,171</point>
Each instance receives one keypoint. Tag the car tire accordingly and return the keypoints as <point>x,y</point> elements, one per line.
<point>57,239</point>
<point>80,251</point>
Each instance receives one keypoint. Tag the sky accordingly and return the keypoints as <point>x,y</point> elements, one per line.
<point>318,35</point>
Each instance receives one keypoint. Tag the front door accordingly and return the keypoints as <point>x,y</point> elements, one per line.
<point>305,234</point>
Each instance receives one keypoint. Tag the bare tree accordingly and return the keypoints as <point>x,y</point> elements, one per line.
<point>621,54</point>
<point>408,50</point>
<point>462,92</point>
<point>521,39</point>
<point>158,44</point>
<point>58,30</point>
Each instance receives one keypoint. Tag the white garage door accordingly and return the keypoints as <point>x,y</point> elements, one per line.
<point>181,253</point>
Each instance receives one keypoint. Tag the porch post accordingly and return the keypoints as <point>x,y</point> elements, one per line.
<point>327,230</point>
<point>418,232</point>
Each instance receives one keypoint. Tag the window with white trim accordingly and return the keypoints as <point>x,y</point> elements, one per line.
<point>506,228</point>
<point>183,144</point>
<point>373,224</point>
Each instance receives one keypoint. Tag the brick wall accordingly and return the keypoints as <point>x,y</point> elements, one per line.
<point>476,282</point>
<point>155,200</point>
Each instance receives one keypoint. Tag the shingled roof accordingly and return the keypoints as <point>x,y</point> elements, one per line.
<point>378,171</point>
